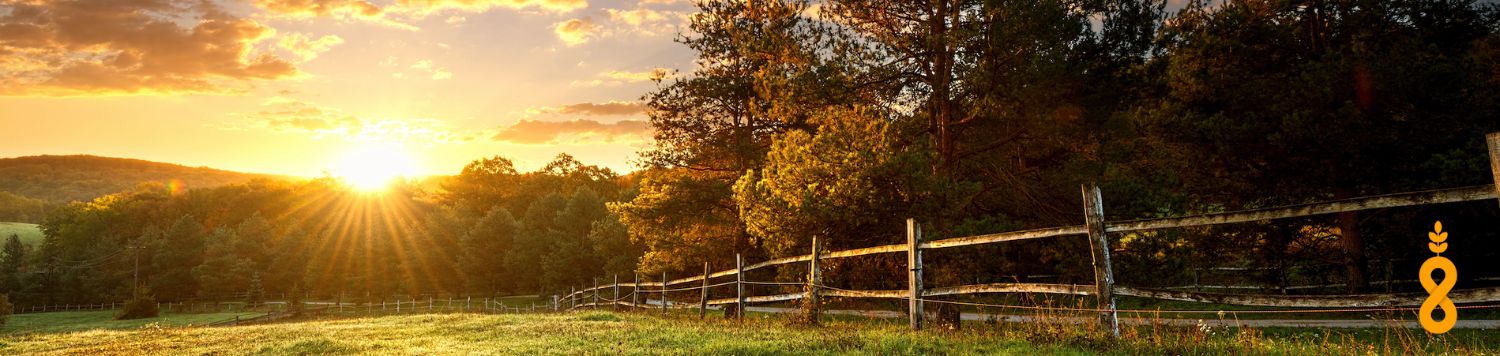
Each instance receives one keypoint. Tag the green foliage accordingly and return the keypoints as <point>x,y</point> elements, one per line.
<point>176,252</point>
<point>15,207</point>
<point>846,183</point>
<point>141,305</point>
<point>485,248</point>
<point>11,264</point>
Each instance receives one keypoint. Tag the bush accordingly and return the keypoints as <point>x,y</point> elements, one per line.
<point>5,308</point>
<point>142,305</point>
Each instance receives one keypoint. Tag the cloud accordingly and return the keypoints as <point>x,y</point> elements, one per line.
<point>612,108</point>
<point>618,78</point>
<point>317,8</point>
<point>649,22</point>
<point>345,10</point>
<point>574,32</point>
<point>291,116</point>
<point>306,48</point>
<point>424,7</point>
<point>65,48</point>
<point>432,70</point>
<point>575,131</point>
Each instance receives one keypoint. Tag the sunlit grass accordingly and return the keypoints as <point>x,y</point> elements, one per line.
<point>599,332</point>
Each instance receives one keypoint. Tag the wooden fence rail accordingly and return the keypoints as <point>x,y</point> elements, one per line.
<point>1096,228</point>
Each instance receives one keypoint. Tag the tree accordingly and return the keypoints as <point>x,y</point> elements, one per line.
<point>5,308</point>
<point>257,293</point>
<point>1285,102</point>
<point>534,242</point>
<point>850,184</point>
<point>174,256</point>
<point>759,64</point>
<point>486,247</point>
<point>12,263</point>
<point>224,271</point>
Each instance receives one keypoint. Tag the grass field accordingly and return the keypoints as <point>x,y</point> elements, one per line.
<point>64,322</point>
<point>625,333</point>
<point>30,233</point>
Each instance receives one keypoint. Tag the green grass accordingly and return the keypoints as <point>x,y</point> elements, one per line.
<point>30,234</point>
<point>599,332</point>
<point>65,322</point>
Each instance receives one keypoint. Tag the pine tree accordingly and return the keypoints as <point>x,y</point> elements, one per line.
<point>256,294</point>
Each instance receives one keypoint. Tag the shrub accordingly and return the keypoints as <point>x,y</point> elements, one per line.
<point>142,305</point>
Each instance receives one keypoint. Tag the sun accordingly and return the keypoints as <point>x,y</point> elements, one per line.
<point>373,167</point>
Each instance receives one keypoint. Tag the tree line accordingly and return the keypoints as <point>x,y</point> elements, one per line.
<point>488,231</point>
<point>840,119</point>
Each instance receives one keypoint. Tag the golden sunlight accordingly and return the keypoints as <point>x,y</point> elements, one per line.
<point>372,167</point>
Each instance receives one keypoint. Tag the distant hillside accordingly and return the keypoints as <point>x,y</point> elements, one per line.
<point>35,183</point>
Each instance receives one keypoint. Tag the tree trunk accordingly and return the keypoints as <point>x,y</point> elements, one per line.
<point>1354,252</point>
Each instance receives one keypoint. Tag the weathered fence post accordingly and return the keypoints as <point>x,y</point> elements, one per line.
<point>572,303</point>
<point>1104,276</point>
<point>1493,140</point>
<point>635,293</point>
<point>663,292</point>
<point>739,287</point>
<point>555,304</point>
<point>596,293</point>
<point>914,273</point>
<point>615,304</point>
<point>703,294</point>
<point>814,278</point>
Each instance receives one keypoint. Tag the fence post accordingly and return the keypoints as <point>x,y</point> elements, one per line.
<point>572,303</point>
<point>914,272</point>
<point>555,305</point>
<point>596,292</point>
<point>703,294</point>
<point>1104,276</point>
<point>635,293</point>
<point>739,287</point>
<point>664,292</point>
<point>1493,140</point>
<point>615,303</point>
<point>814,278</point>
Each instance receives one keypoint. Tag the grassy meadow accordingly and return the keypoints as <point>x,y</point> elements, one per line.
<point>30,234</point>
<point>628,333</point>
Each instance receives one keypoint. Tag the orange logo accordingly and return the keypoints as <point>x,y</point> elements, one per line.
<point>1437,293</point>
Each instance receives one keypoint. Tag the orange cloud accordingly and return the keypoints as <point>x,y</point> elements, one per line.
<point>618,78</point>
<point>576,131</point>
<point>63,48</point>
<point>339,9</point>
<point>574,32</point>
<point>314,8</point>
<point>609,108</point>
<point>429,6</point>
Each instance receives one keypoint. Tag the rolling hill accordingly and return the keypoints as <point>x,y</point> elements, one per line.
<point>30,185</point>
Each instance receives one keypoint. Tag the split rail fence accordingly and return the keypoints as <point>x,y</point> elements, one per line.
<point>1095,227</point>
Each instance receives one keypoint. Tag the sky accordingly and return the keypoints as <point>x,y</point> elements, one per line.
<point>298,87</point>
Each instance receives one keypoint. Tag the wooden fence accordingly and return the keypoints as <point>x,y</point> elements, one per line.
<point>1095,227</point>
